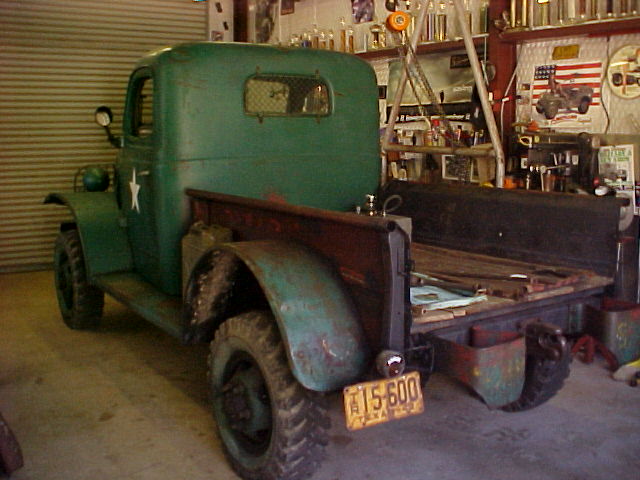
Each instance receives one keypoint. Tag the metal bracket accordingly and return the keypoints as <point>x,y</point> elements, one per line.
<point>546,340</point>
<point>421,355</point>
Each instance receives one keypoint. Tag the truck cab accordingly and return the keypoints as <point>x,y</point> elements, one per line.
<point>191,119</point>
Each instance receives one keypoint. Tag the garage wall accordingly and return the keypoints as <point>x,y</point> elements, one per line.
<point>619,116</point>
<point>59,60</point>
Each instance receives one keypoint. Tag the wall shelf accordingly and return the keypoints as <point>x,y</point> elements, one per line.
<point>424,48</point>
<point>614,26</point>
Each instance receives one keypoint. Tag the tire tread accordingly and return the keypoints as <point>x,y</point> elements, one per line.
<point>300,415</point>
<point>543,379</point>
<point>88,301</point>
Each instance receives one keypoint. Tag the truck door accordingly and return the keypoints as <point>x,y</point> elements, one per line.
<point>137,173</point>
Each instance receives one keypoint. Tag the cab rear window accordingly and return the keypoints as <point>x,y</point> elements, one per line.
<point>286,95</point>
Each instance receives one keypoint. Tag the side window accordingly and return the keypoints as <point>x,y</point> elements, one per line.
<point>286,95</point>
<point>142,115</point>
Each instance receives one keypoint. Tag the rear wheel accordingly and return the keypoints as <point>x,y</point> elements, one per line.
<point>584,105</point>
<point>543,379</point>
<point>80,303</point>
<point>270,426</point>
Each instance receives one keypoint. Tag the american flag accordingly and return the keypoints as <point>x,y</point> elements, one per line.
<point>587,74</point>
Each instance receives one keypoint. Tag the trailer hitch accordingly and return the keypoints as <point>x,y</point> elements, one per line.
<point>546,340</point>
<point>421,356</point>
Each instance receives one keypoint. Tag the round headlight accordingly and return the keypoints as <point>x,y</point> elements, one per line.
<point>95,179</point>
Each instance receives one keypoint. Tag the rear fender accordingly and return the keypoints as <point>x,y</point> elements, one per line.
<point>104,240</point>
<point>320,329</point>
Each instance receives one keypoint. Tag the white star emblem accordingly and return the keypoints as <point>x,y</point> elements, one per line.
<point>135,188</point>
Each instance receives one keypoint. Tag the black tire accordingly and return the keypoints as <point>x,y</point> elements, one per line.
<point>543,379</point>
<point>80,303</point>
<point>270,426</point>
<point>584,105</point>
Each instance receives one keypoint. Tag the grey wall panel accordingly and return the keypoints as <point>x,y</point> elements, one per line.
<point>59,59</point>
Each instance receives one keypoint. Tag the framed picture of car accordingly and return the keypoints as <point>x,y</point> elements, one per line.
<point>567,94</point>
<point>623,72</point>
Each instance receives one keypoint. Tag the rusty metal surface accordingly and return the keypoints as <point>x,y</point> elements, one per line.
<point>207,295</point>
<point>10,452</point>
<point>500,277</point>
<point>564,310</point>
<point>365,250</point>
<point>495,373</point>
<point>318,323</point>
<point>484,337</point>
<point>617,326</point>
<point>546,293</point>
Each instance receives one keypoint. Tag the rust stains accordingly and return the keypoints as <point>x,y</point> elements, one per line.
<point>276,197</point>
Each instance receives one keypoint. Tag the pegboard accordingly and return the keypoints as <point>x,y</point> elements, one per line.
<point>615,115</point>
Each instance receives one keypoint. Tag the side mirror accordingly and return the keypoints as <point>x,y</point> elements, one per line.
<point>104,117</point>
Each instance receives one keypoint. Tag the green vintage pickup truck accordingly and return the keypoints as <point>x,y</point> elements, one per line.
<point>229,217</point>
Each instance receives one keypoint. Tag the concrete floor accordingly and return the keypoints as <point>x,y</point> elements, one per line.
<point>128,402</point>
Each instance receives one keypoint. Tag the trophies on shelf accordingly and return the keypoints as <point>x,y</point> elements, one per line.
<point>377,39</point>
<point>553,13</point>
<point>441,22</point>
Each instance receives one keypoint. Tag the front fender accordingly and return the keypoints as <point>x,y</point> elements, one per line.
<point>320,329</point>
<point>104,240</point>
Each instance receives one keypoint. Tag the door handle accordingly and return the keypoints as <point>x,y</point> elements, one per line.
<point>144,173</point>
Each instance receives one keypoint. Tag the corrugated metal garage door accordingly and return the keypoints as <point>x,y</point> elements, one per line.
<point>59,59</point>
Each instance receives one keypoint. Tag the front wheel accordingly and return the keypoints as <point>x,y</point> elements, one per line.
<point>80,303</point>
<point>583,107</point>
<point>270,426</point>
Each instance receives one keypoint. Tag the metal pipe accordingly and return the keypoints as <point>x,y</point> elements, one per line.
<point>484,150</point>
<point>482,91</point>
<point>402,83</point>
<point>498,152</point>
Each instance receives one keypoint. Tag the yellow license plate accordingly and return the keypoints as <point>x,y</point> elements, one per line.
<point>370,403</point>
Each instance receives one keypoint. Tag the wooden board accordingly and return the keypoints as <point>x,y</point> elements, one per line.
<point>504,281</point>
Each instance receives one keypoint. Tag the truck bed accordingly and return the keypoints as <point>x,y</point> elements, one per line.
<point>535,255</point>
<point>510,286</point>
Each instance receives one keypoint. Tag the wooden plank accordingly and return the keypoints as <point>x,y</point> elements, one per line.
<point>500,277</point>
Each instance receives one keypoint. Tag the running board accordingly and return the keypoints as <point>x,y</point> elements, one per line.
<point>130,289</point>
